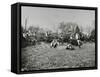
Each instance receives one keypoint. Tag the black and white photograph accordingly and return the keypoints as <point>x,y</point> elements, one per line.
<point>55,38</point>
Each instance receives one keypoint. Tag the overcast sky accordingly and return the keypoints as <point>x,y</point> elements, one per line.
<point>49,18</point>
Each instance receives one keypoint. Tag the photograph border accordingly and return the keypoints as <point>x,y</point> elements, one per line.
<point>19,5</point>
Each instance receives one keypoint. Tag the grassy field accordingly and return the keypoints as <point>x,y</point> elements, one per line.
<point>43,57</point>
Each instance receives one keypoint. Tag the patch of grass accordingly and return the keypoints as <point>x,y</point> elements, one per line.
<point>39,57</point>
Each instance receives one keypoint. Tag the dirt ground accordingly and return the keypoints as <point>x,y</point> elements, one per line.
<point>43,57</point>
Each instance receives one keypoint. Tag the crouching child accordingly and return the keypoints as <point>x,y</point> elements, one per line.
<point>54,43</point>
<point>70,47</point>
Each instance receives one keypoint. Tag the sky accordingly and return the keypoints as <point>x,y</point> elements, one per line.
<point>49,18</point>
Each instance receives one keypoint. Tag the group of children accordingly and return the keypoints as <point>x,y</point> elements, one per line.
<point>69,46</point>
